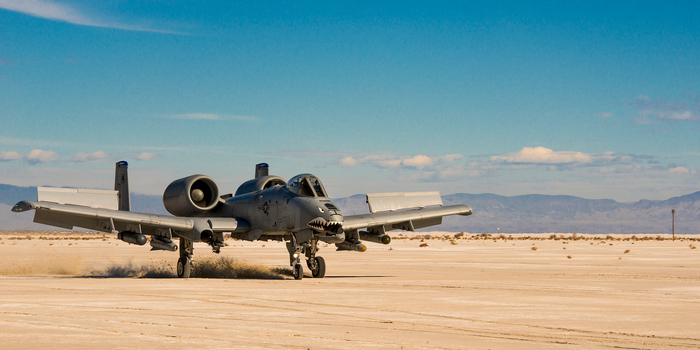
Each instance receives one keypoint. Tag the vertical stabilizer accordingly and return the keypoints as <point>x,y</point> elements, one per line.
<point>261,170</point>
<point>121,184</point>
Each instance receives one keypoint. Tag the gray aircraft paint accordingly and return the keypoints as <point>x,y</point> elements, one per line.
<point>264,208</point>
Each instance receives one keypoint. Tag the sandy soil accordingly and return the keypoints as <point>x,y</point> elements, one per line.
<point>67,292</point>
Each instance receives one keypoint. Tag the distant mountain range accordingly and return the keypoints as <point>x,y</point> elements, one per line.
<point>518,214</point>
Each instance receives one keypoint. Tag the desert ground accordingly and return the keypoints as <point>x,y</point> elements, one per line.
<point>76,290</point>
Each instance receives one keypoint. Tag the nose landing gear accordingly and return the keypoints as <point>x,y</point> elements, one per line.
<point>316,264</point>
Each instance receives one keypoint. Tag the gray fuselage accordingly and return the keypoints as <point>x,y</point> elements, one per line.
<point>276,211</point>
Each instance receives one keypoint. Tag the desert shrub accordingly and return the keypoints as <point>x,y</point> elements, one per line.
<point>627,251</point>
<point>533,248</point>
<point>423,245</point>
<point>568,256</point>
<point>459,235</point>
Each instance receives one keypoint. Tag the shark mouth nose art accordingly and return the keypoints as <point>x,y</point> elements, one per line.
<point>321,224</point>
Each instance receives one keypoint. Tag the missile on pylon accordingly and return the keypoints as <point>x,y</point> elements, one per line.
<point>381,238</point>
<point>132,237</point>
<point>358,247</point>
<point>160,245</point>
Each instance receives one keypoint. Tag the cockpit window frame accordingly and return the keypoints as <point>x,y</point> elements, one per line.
<point>323,193</point>
<point>304,181</point>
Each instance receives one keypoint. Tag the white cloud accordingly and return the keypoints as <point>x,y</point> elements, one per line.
<point>605,115</point>
<point>66,13</point>
<point>7,156</point>
<point>393,161</point>
<point>209,116</point>
<point>419,167</point>
<point>348,161</point>
<point>541,155</point>
<point>450,158</point>
<point>665,111</point>
<point>95,156</point>
<point>419,162</point>
<point>679,170</point>
<point>147,156</point>
<point>389,162</point>
<point>40,156</point>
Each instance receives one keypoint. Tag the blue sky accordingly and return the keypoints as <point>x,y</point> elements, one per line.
<point>590,99</point>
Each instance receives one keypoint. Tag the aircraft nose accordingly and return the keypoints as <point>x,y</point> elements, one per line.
<point>325,218</point>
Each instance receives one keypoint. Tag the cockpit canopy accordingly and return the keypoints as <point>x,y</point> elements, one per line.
<point>306,185</point>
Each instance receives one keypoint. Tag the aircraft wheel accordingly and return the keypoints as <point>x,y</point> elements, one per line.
<point>184,267</point>
<point>319,267</point>
<point>298,271</point>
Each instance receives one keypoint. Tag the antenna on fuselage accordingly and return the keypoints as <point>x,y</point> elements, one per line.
<point>261,170</point>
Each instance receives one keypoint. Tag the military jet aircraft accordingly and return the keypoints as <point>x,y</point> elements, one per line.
<point>267,207</point>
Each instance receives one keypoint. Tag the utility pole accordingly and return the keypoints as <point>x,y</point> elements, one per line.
<point>673,225</point>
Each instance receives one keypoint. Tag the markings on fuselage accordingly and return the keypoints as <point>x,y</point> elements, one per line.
<point>265,208</point>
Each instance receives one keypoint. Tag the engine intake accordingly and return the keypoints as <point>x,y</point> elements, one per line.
<point>191,196</point>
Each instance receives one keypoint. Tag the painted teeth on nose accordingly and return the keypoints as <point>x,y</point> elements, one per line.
<point>322,225</point>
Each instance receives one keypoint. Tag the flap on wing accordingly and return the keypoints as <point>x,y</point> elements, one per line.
<point>105,199</point>
<point>418,217</point>
<point>402,200</point>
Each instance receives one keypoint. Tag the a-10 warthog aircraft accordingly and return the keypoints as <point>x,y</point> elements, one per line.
<point>267,207</point>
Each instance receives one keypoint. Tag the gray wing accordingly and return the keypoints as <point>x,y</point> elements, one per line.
<point>408,220</point>
<point>107,220</point>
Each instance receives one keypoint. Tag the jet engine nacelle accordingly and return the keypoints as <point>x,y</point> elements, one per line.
<point>191,196</point>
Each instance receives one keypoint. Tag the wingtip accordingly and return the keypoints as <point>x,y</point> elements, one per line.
<point>22,206</point>
<point>468,211</point>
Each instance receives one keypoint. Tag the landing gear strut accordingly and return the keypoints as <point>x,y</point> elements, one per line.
<point>315,263</point>
<point>295,251</point>
<point>184,264</point>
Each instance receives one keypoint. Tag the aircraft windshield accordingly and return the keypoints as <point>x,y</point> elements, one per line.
<point>306,185</point>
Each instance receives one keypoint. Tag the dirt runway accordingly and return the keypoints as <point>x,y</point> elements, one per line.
<point>473,294</point>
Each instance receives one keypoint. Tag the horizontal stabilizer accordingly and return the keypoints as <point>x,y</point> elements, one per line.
<point>104,199</point>
<point>379,202</point>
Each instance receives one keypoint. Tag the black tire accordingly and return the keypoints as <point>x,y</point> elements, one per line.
<point>298,272</point>
<point>184,267</point>
<point>319,269</point>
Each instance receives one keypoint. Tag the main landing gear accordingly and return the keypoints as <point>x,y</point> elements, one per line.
<point>184,264</point>
<point>315,263</point>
